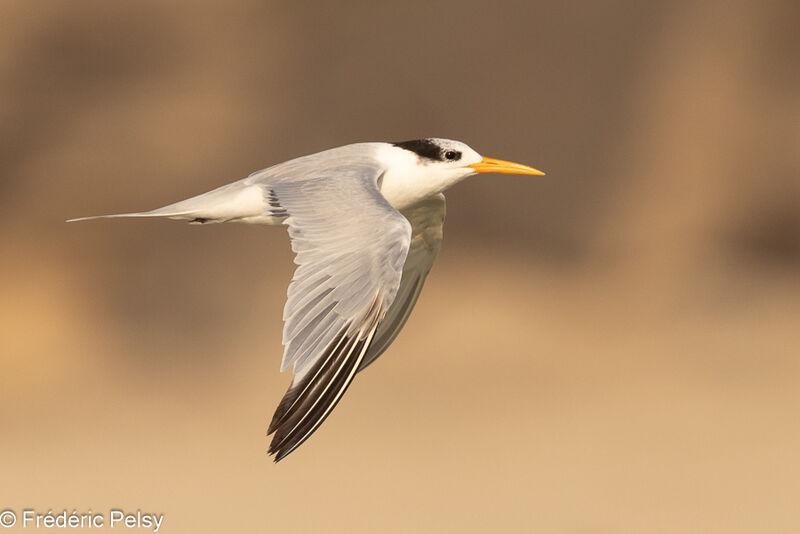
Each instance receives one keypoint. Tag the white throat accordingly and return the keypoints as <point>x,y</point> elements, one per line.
<point>409,179</point>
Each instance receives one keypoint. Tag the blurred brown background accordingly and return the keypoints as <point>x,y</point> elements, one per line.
<point>612,348</point>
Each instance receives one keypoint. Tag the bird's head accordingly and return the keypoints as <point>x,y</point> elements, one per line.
<point>423,167</point>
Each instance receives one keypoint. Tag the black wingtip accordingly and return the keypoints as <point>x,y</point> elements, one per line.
<point>278,456</point>
<point>282,412</point>
<point>313,399</point>
<point>288,399</point>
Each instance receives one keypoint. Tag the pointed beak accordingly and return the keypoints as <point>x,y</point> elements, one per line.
<point>500,166</point>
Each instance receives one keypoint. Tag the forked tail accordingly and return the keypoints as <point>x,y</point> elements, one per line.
<point>236,201</point>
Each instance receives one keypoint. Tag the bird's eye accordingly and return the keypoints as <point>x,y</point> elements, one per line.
<point>452,155</point>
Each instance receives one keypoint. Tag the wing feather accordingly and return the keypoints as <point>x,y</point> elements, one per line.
<point>427,220</point>
<point>350,247</point>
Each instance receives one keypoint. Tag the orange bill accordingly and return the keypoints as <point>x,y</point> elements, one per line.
<point>500,166</point>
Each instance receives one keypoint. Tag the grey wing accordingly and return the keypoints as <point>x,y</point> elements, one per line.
<point>350,246</point>
<point>427,220</point>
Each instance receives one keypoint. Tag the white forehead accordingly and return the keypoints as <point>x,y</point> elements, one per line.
<point>468,155</point>
<point>450,144</point>
<point>428,152</point>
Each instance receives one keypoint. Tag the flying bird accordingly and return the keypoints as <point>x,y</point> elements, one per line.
<point>365,222</point>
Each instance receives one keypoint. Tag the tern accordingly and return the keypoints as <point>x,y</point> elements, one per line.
<point>365,222</point>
